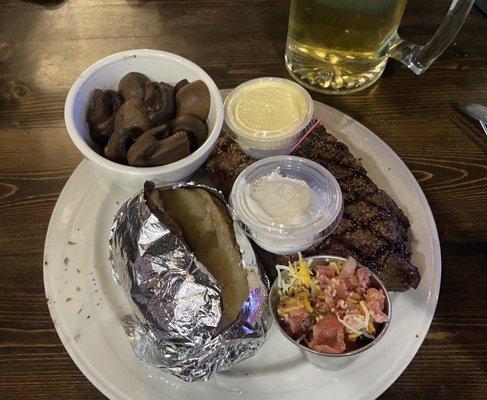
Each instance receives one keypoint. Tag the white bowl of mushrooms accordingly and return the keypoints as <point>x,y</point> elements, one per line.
<point>144,115</point>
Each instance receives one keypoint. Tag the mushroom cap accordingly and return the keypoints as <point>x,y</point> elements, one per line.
<point>101,116</point>
<point>169,150</point>
<point>132,116</point>
<point>147,151</point>
<point>101,133</point>
<point>142,148</point>
<point>116,148</point>
<point>159,132</point>
<point>145,145</point>
<point>180,84</point>
<point>194,99</point>
<point>116,98</point>
<point>100,108</point>
<point>193,126</point>
<point>132,86</point>
<point>159,100</point>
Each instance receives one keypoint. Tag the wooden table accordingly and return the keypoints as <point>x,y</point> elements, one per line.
<point>44,45</point>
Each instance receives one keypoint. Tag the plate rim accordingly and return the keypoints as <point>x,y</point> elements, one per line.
<point>111,391</point>
<point>436,246</point>
<point>105,387</point>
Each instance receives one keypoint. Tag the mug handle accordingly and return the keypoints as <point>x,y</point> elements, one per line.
<point>419,58</point>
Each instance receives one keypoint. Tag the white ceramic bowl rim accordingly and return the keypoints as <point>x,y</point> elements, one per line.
<point>92,155</point>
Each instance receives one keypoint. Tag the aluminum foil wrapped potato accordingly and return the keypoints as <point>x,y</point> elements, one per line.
<point>197,294</point>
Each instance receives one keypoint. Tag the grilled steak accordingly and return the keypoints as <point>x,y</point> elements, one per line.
<point>373,229</point>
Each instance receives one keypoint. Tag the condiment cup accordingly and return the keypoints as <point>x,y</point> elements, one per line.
<point>158,66</point>
<point>324,211</point>
<point>263,146</point>
<point>331,362</point>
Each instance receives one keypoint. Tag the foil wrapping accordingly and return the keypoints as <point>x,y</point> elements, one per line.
<point>176,303</point>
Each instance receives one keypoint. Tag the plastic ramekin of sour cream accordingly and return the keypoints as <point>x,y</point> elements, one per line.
<point>286,203</point>
<point>268,116</point>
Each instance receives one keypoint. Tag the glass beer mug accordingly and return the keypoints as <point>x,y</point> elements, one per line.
<point>342,46</point>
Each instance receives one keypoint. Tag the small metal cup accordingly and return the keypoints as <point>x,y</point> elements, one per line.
<point>331,362</point>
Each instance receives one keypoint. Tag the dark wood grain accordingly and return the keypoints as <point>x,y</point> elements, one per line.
<point>45,45</point>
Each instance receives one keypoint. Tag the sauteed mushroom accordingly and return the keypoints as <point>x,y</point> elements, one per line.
<point>180,84</point>
<point>132,86</point>
<point>149,123</point>
<point>100,118</point>
<point>133,117</point>
<point>142,148</point>
<point>116,148</point>
<point>194,99</point>
<point>101,133</point>
<point>193,126</point>
<point>147,151</point>
<point>160,132</point>
<point>169,150</point>
<point>116,99</point>
<point>159,100</point>
<point>146,144</point>
<point>100,108</point>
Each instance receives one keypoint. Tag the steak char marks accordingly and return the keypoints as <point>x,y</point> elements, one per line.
<point>374,230</point>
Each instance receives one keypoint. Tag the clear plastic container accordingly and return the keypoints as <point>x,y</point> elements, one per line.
<point>274,100</point>
<point>323,211</point>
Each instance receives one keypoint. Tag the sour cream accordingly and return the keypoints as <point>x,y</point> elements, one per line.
<point>286,203</point>
<point>279,200</point>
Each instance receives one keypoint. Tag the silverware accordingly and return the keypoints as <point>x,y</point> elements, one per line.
<point>477,112</point>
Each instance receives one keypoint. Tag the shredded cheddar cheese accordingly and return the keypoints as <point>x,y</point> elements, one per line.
<point>308,294</point>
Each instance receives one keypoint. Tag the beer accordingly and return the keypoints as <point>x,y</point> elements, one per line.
<point>340,46</point>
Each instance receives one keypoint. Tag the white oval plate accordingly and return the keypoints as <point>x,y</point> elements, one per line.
<point>86,305</point>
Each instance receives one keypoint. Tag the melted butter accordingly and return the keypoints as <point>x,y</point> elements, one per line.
<point>269,108</point>
<point>279,199</point>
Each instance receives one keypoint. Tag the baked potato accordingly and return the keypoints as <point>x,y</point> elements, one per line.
<point>204,224</point>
